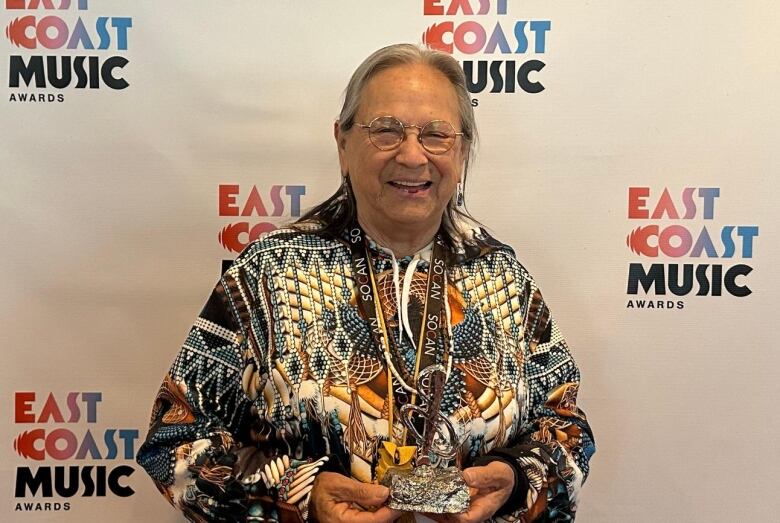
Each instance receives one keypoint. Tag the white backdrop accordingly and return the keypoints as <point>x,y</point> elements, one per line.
<point>109,204</point>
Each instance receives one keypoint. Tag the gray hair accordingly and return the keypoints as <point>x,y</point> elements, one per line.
<point>402,54</point>
<point>337,212</point>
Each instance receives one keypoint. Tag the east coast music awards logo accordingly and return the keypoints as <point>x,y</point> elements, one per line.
<point>253,211</point>
<point>57,45</point>
<point>69,457</point>
<point>692,253</point>
<point>503,52</point>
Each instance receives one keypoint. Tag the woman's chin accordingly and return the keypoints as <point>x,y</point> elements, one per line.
<point>411,219</point>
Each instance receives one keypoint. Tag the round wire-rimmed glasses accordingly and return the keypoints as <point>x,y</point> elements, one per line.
<point>388,132</point>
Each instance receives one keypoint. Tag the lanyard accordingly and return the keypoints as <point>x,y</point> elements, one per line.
<point>433,328</point>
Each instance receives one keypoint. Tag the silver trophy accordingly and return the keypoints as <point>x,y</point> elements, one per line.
<point>430,486</point>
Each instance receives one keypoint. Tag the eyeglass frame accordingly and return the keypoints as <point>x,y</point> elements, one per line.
<point>409,126</point>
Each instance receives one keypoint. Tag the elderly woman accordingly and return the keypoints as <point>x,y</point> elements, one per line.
<point>291,396</point>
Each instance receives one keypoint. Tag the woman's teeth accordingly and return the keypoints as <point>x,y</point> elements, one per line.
<point>411,186</point>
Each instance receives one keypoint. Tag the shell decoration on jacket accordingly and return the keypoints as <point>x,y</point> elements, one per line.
<point>279,378</point>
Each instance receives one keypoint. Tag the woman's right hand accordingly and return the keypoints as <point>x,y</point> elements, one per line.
<point>336,497</point>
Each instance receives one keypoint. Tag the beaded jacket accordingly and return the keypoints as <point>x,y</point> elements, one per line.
<point>279,378</point>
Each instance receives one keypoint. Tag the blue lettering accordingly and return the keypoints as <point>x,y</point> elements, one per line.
<point>709,194</point>
<point>747,232</point>
<point>540,28</point>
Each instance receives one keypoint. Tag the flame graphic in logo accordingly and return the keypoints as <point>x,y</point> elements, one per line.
<point>229,235</point>
<point>433,37</point>
<point>24,444</point>
<point>16,32</point>
<point>637,241</point>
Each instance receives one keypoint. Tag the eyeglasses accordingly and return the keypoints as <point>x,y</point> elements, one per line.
<point>387,133</point>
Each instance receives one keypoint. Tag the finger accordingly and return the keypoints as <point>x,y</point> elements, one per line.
<point>338,487</point>
<point>365,494</point>
<point>482,508</point>
<point>494,474</point>
<point>472,516</point>
<point>466,517</point>
<point>383,515</point>
<point>439,518</point>
<point>477,478</point>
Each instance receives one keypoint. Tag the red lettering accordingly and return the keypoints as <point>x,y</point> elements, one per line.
<point>254,203</point>
<point>675,241</point>
<point>260,229</point>
<point>675,231</point>
<point>433,7</point>
<point>61,435</point>
<point>227,200</point>
<point>61,30</point>
<point>463,5</point>
<point>665,205</point>
<point>637,199</point>
<point>479,37</point>
<point>51,409</point>
<point>47,4</point>
<point>23,407</point>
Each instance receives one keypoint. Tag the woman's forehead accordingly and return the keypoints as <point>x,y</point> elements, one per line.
<point>417,90</point>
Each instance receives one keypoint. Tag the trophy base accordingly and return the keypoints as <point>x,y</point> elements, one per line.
<point>427,489</point>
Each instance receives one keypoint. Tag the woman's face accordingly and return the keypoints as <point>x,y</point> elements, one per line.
<point>414,94</point>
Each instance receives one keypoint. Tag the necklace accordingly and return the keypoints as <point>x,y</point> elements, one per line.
<point>434,331</point>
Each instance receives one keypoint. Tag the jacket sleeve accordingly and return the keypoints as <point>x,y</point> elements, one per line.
<point>208,450</point>
<point>551,451</point>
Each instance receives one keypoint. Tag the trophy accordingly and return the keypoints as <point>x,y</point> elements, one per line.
<point>428,486</point>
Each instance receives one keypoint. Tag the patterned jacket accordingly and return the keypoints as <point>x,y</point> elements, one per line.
<point>279,378</point>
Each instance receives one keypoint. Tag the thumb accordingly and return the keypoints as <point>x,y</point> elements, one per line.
<point>478,477</point>
<point>494,474</point>
<point>473,477</point>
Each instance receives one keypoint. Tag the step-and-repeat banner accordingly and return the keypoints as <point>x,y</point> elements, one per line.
<point>629,153</point>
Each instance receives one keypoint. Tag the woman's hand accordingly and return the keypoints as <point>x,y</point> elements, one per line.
<point>335,497</point>
<point>490,488</point>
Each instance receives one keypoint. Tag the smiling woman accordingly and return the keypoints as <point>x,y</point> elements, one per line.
<point>401,189</point>
<point>384,335</point>
<point>424,87</point>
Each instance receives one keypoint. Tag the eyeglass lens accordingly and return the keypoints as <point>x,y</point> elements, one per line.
<point>437,137</point>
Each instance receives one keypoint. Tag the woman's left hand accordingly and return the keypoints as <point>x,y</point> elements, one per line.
<point>490,488</point>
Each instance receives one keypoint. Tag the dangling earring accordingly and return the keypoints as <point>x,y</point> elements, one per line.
<point>459,195</point>
<point>345,188</point>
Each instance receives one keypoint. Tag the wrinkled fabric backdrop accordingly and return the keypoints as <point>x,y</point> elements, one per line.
<point>628,153</point>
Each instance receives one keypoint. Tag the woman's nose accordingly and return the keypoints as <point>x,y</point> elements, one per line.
<point>411,152</point>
